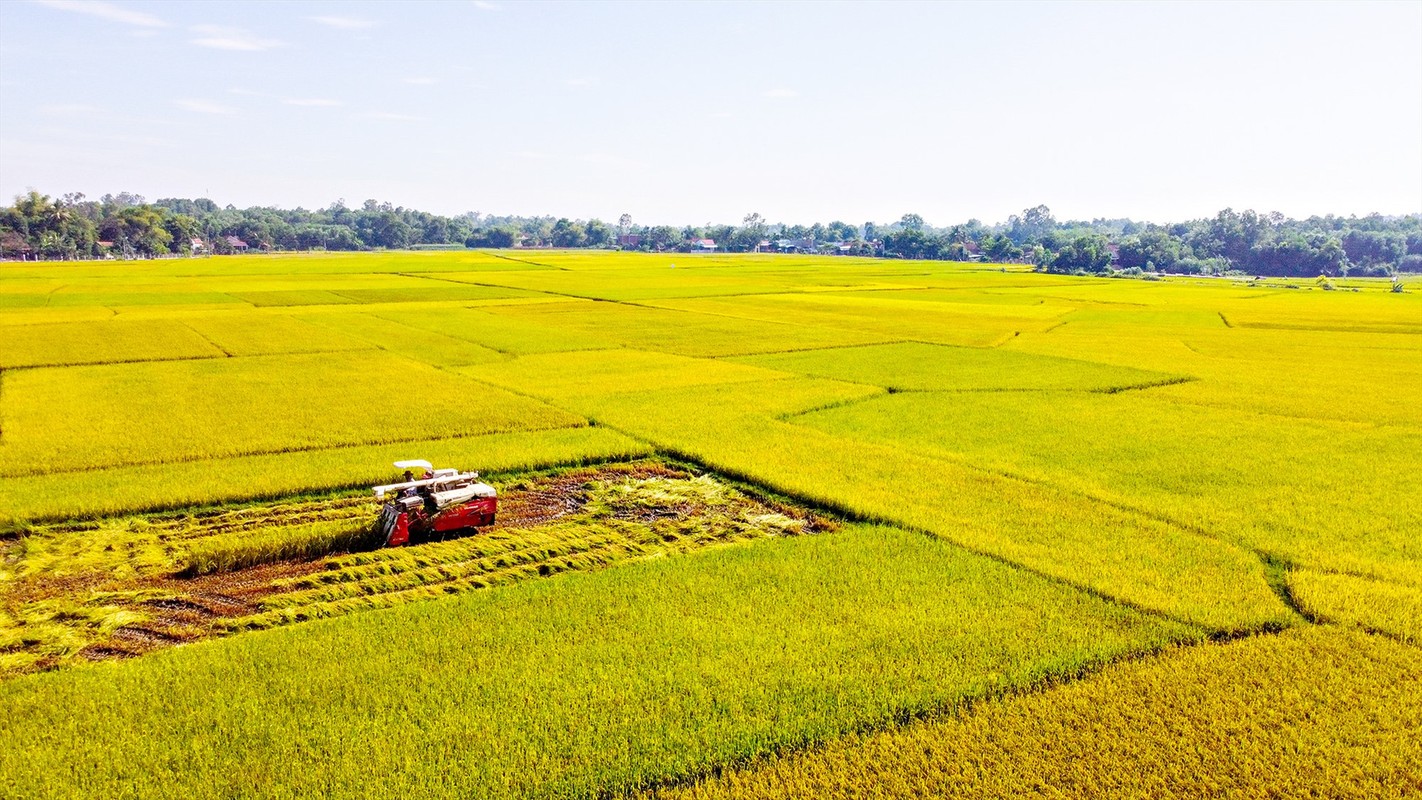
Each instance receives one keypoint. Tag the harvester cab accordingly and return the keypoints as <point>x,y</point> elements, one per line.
<point>433,505</point>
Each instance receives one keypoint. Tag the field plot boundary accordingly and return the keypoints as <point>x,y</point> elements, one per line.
<point>888,374</point>
<point>1248,600</point>
<point>1003,327</point>
<point>885,520</point>
<point>561,385</point>
<point>218,356</point>
<point>1273,555</point>
<point>1267,559</point>
<point>92,343</point>
<point>1316,590</point>
<point>324,321</point>
<point>99,434</point>
<point>1044,482</point>
<point>225,352</point>
<point>526,261</point>
<point>1399,327</point>
<point>267,476</point>
<point>195,459</point>
<point>579,305</point>
<point>906,720</point>
<point>984,752</point>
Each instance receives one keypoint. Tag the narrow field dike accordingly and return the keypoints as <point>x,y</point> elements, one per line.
<point>123,587</point>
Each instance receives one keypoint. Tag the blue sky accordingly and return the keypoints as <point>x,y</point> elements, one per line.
<point>702,112</point>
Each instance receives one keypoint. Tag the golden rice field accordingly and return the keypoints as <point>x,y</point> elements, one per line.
<point>882,528</point>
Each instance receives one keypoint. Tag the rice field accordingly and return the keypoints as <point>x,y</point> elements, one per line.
<point>246,334</point>
<point>928,529</point>
<point>72,343</point>
<point>1172,469</point>
<point>1204,722</point>
<point>118,490</point>
<point>914,366</point>
<point>591,682</point>
<point>1133,557</point>
<point>161,412</point>
<point>506,335</point>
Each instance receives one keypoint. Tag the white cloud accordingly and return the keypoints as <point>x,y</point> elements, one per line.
<point>204,107</point>
<point>107,11</point>
<point>581,81</point>
<point>421,81</point>
<point>780,93</point>
<point>344,23</point>
<point>223,38</point>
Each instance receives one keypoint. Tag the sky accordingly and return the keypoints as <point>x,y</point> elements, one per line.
<point>692,113</point>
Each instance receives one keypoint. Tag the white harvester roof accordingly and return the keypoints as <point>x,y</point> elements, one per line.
<point>447,486</point>
<point>462,494</point>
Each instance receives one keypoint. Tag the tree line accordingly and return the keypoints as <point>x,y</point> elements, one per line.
<point>1229,243</point>
<point>128,226</point>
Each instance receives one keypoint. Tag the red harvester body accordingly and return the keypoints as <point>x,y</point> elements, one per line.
<point>430,507</point>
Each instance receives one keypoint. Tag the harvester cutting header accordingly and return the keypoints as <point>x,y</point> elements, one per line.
<point>439,502</point>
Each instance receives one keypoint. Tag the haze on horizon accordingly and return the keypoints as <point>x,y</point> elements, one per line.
<point>693,113</point>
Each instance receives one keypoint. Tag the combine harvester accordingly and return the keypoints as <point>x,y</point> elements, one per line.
<point>440,502</point>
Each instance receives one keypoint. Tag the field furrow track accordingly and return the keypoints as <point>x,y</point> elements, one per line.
<point>123,587</point>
